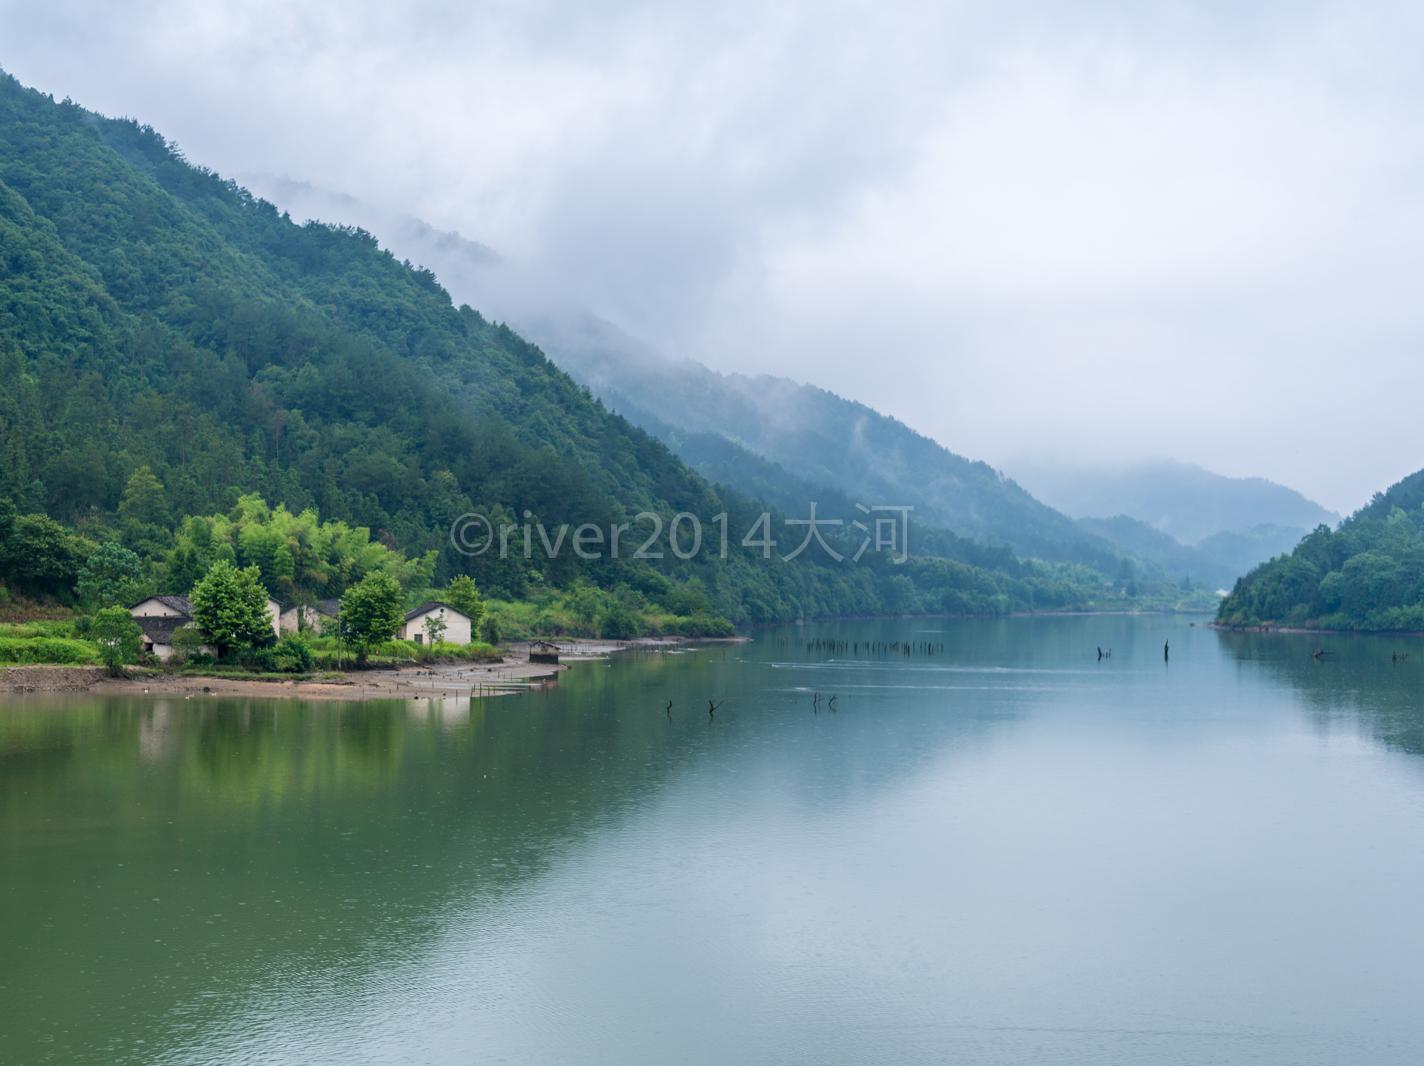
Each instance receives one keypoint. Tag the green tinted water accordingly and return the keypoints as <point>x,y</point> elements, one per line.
<point>1008,853</point>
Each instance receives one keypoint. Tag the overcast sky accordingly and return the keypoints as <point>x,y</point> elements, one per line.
<point>1083,232</point>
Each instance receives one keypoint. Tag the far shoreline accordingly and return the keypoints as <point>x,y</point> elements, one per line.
<point>1224,627</point>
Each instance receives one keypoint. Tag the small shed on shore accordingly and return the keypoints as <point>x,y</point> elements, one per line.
<point>541,651</point>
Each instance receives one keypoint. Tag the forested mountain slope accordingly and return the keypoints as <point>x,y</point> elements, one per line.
<point>153,315</point>
<point>1368,574</point>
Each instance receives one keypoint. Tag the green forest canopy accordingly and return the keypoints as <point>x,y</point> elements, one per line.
<point>1366,575</point>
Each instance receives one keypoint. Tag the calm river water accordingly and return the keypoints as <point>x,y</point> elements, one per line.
<point>1007,853</point>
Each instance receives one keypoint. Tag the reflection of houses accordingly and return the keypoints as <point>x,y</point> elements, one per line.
<point>541,651</point>
<point>309,617</point>
<point>160,617</point>
<point>458,628</point>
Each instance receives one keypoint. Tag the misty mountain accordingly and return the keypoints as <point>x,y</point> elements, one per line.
<point>162,326</point>
<point>820,438</point>
<point>788,442</point>
<point>1184,501</point>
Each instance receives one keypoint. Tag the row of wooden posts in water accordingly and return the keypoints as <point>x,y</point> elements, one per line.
<point>875,648</point>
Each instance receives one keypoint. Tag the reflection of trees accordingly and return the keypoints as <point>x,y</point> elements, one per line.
<point>1355,681</point>
<point>225,841</point>
<point>259,751</point>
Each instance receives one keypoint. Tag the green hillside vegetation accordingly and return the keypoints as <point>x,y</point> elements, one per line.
<point>1366,575</point>
<point>171,347</point>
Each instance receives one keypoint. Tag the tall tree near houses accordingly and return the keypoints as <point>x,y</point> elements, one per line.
<point>230,606</point>
<point>462,595</point>
<point>371,612</point>
<point>112,576</point>
<point>117,636</point>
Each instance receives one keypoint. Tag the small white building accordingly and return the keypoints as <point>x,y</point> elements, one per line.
<point>274,612</point>
<point>458,627</point>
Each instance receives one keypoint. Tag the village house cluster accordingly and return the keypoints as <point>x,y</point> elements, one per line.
<point>161,617</point>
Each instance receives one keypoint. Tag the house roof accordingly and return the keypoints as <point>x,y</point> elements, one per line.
<point>178,603</point>
<point>160,630</point>
<point>430,605</point>
<point>543,644</point>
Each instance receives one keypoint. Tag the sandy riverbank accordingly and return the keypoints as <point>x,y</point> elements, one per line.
<point>463,680</point>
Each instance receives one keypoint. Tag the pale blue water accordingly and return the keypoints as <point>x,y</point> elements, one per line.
<point>1008,853</point>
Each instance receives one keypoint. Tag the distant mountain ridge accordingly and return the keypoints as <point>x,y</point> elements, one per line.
<point>1184,501</point>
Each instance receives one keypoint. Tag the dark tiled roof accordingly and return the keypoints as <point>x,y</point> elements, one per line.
<point>178,603</point>
<point>330,608</point>
<point>160,630</point>
<point>431,605</point>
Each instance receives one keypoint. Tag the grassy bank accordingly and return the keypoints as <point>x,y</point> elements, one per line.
<point>48,641</point>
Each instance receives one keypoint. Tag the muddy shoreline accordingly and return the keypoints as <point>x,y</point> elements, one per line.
<point>458,680</point>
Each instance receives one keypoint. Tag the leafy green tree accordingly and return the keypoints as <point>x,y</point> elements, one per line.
<point>230,606</point>
<point>434,627</point>
<point>144,502</point>
<point>293,654</point>
<point>584,602</point>
<point>462,595</point>
<point>688,598</point>
<point>118,637</point>
<point>144,516</point>
<point>372,612</point>
<point>42,558</point>
<point>112,576</point>
<point>301,557</point>
<point>190,644</point>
